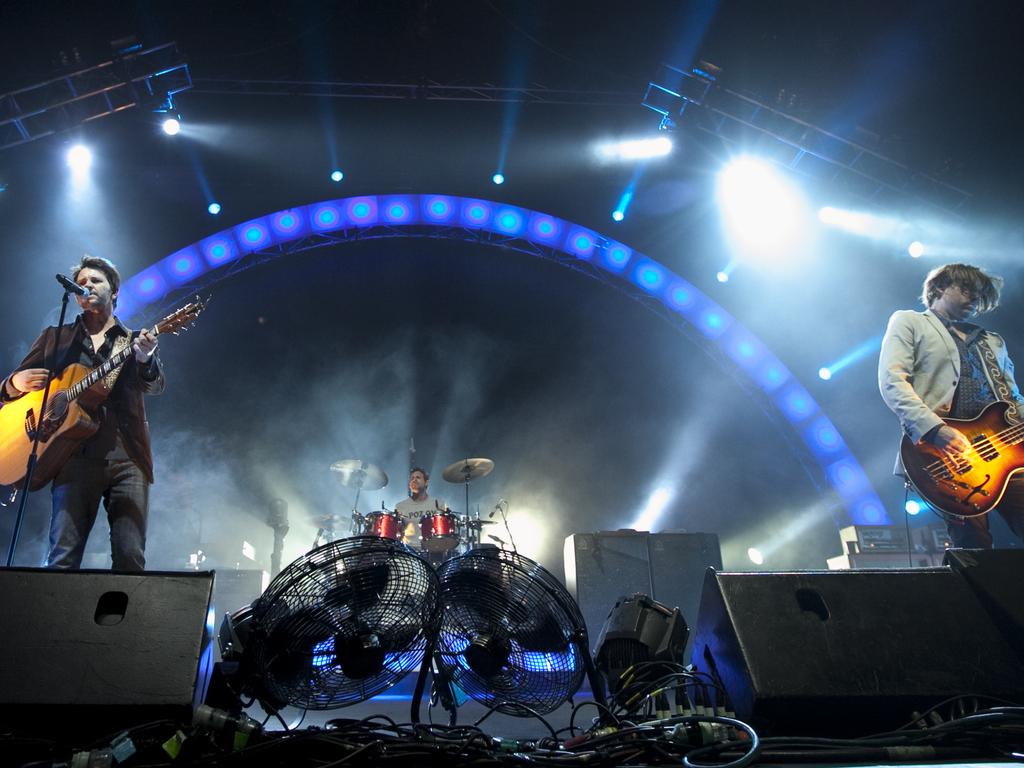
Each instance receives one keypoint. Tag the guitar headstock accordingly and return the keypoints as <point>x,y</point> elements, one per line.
<point>181,319</point>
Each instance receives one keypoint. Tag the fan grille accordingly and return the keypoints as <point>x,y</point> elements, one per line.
<point>344,622</point>
<point>509,633</point>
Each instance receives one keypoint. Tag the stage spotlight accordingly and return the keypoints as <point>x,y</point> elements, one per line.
<point>755,555</point>
<point>762,209</point>
<point>722,277</point>
<point>498,178</point>
<point>213,209</point>
<point>618,215</point>
<point>635,149</point>
<point>913,507</point>
<point>916,249</point>
<point>79,159</point>
<point>824,374</point>
<point>337,175</point>
<point>171,126</point>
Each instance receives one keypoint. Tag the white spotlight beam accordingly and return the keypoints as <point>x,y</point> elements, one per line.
<point>635,149</point>
<point>653,510</point>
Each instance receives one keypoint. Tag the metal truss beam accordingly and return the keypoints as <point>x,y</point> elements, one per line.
<point>730,116</point>
<point>694,97</point>
<point>424,91</point>
<point>136,78</point>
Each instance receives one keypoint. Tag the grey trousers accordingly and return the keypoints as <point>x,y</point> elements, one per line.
<point>76,495</point>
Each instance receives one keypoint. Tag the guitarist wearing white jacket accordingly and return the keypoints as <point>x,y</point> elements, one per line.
<point>113,465</point>
<point>936,365</point>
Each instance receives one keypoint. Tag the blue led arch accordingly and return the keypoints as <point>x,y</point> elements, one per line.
<point>353,218</point>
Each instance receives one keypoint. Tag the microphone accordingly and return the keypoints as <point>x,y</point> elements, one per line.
<point>72,287</point>
<point>497,508</point>
<point>492,537</point>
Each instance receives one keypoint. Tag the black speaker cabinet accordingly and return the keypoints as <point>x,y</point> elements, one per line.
<point>997,578</point>
<point>668,567</point>
<point>91,652</point>
<point>848,653</point>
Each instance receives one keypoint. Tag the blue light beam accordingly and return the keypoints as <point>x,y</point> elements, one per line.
<point>872,345</point>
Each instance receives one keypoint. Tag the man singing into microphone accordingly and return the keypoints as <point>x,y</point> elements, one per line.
<point>115,464</point>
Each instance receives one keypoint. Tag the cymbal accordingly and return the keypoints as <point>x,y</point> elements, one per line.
<point>467,469</point>
<point>360,474</point>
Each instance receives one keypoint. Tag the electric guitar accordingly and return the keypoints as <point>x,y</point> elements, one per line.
<point>74,394</point>
<point>969,485</point>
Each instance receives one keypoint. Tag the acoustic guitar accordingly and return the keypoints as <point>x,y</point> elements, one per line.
<point>74,395</point>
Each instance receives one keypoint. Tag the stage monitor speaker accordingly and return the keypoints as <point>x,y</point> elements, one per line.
<point>668,567</point>
<point>86,653</point>
<point>833,653</point>
<point>997,578</point>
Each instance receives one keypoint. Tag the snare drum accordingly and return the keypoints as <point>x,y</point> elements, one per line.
<point>439,531</point>
<point>387,525</point>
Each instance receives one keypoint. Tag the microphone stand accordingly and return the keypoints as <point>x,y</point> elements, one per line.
<point>504,520</point>
<point>30,465</point>
<point>277,519</point>
<point>502,506</point>
<point>280,532</point>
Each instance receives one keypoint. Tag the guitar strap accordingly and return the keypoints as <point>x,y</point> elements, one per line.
<point>1003,391</point>
<point>111,378</point>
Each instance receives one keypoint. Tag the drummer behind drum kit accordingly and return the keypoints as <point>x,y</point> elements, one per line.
<point>442,532</point>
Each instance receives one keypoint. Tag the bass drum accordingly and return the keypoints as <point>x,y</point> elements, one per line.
<point>439,532</point>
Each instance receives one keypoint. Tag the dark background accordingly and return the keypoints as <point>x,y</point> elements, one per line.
<point>586,402</point>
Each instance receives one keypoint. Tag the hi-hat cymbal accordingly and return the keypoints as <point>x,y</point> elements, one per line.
<point>360,474</point>
<point>464,470</point>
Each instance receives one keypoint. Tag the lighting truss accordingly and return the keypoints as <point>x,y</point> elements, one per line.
<point>427,90</point>
<point>153,75</point>
<point>728,115</point>
<point>790,142</point>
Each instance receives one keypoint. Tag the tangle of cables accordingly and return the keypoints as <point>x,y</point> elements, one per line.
<point>957,729</point>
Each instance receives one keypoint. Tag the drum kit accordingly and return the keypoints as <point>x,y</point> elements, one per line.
<point>443,533</point>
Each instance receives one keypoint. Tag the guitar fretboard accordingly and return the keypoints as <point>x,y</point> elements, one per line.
<point>103,370</point>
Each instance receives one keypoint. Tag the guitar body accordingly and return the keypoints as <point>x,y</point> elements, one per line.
<point>68,425</point>
<point>973,485</point>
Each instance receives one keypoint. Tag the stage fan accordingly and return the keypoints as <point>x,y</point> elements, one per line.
<point>339,625</point>
<point>509,634</point>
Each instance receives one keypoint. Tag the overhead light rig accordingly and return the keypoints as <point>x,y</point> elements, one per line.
<point>135,77</point>
<point>728,115</point>
<point>694,97</point>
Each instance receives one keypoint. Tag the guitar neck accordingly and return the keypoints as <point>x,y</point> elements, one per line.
<point>105,369</point>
